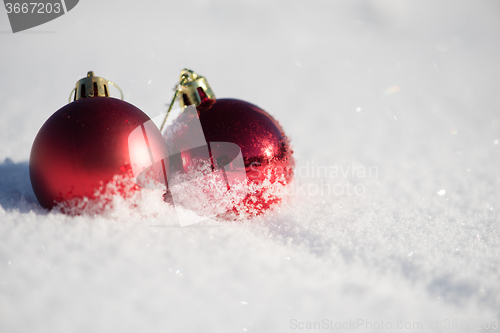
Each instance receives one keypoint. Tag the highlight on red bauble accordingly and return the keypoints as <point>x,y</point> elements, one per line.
<point>89,148</point>
<point>210,142</point>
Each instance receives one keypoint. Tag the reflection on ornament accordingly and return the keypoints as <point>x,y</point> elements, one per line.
<point>89,144</point>
<point>201,137</point>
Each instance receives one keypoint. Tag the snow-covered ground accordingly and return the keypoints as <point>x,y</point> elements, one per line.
<point>406,93</point>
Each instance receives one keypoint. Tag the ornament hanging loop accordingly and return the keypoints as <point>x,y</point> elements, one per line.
<point>92,86</point>
<point>189,75</point>
<point>192,89</point>
<point>116,86</point>
<point>184,78</point>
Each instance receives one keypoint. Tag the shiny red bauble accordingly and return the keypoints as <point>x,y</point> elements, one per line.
<point>83,146</point>
<point>265,148</point>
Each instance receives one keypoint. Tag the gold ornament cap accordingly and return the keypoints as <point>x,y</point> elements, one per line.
<point>92,86</point>
<point>194,89</point>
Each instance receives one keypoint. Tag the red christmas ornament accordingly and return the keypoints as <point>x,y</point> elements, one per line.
<point>87,144</point>
<point>229,124</point>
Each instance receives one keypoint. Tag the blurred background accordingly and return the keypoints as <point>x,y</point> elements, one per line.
<point>411,69</point>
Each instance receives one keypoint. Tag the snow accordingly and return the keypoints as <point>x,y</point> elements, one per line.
<point>404,93</point>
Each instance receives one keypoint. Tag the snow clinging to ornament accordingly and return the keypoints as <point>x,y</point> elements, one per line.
<point>228,154</point>
<point>88,150</point>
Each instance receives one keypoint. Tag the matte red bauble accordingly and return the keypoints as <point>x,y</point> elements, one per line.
<point>262,143</point>
<point>86,144</point>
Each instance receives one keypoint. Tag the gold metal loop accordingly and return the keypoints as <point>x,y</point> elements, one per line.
<point>71,93</point>
<point>177,88</point>
<point>115,85</point>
